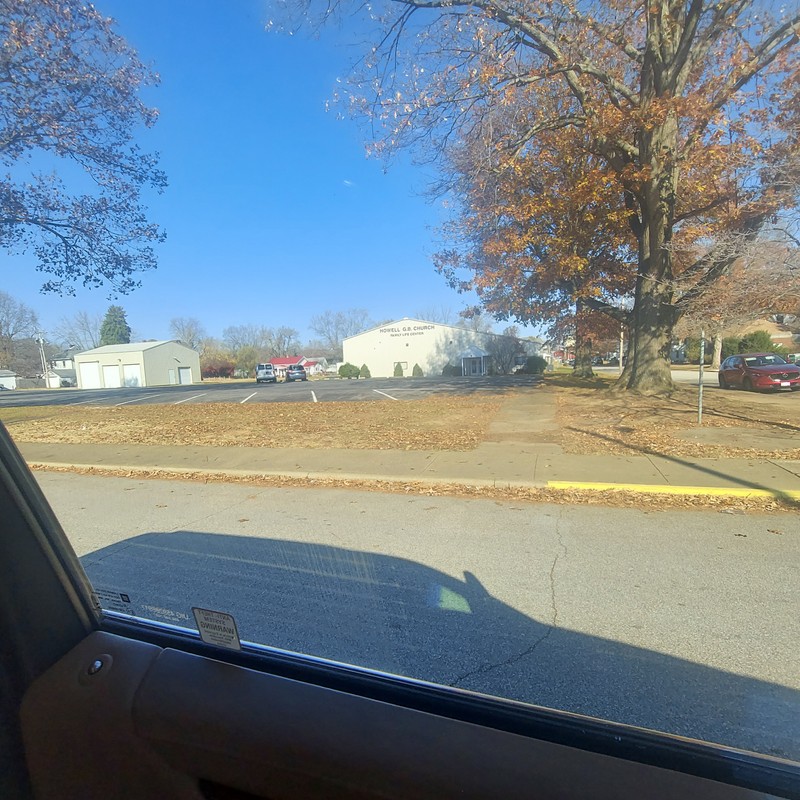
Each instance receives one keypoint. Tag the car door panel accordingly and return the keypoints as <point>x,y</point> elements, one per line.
<point>157,723</point>
<point>78,730</point>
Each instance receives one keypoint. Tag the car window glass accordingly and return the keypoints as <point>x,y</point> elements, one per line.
<point>506,471</point>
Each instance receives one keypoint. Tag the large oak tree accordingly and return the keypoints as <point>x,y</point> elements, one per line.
<point>689,107</point>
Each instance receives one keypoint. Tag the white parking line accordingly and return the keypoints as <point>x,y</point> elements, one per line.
<point>92,400</point>
<point>187,399</point>
<point>314,397</point>
<point>137,399</point>
<point>384,394</point>
<point>249,396</point>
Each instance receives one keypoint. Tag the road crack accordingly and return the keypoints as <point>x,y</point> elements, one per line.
<point>560,553</point>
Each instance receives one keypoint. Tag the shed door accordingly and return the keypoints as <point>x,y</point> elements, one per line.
<point>111,376</point>
<point>90,375</point>
<point>184,374</point>
<point>132,374</point>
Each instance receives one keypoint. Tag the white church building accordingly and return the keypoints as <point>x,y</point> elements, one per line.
<point>430,344</point>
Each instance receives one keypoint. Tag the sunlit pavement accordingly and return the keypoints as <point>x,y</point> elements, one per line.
<point>678,375</point>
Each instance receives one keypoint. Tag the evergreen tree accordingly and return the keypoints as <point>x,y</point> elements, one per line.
<point>115,328</point>
<point>760,342</point>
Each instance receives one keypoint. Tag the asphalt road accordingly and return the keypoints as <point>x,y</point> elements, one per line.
<point>681,376</point>
<point>679,621</point>
<point>317,391</point>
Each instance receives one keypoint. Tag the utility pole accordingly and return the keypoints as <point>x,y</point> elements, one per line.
<point>700,380</point>
<point>40,342</point>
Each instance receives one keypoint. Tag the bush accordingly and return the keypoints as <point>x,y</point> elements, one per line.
<point>417,371</point>
<point>534,365</point>
<point>760,342</point>
<point>730,347</point>
<point>398,370</point>
<point>348,371</point>
<point>692,347</point>
<point>217,368</point>
<point>451,371</point>
<point>364,372</point>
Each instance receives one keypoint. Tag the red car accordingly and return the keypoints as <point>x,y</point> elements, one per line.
<point>753,371</point>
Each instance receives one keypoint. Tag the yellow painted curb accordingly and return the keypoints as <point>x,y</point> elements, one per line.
<point>644,488</point>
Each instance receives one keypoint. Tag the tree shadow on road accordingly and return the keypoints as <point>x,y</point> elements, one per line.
<point>786,499</point>
<point>402,617</point>
<point>728,414</point>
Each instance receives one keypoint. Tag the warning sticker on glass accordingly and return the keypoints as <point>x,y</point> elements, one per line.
<point>112,600</point>
<point>217,628</point>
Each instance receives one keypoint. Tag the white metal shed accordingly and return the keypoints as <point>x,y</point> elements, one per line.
<point>163,363</point>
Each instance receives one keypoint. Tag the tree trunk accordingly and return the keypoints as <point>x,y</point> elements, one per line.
<point>6,352</point>
<point>654,313</point>
<point>583,359</point>
<point>648,365</point>
<point>583,345</point>
<point>626,360</point>
<point>717,357</point>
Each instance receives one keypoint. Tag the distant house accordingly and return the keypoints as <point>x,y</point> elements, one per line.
<point>137,364</point>
<point>316,365</point>
<point>312,366</point>
<point>65,360</point>
<point>8,379</point>
<point>61,370</point>
<point>60,378</point>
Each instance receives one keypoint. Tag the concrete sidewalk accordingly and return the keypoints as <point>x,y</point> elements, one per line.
<point>520,451</point>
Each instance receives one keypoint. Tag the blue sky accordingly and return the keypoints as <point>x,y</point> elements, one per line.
<point>273,212</point>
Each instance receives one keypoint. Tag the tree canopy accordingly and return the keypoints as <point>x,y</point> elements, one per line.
<point>592,148</point>
<point>190,331</point>
<point>333,327</point>
<point>69,113</point>
<point>81,331</point>
<point>17,321</point>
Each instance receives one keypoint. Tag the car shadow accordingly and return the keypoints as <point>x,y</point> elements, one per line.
<point>402,617</point>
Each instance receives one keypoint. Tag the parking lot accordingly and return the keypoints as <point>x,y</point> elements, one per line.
<point>313,391</point>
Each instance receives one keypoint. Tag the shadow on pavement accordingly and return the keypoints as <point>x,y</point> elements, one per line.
<point>403,617</point>
<point>714,412</point>
<point>785,498</point>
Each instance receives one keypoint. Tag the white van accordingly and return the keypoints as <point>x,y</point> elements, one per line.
<point>265,373</point>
